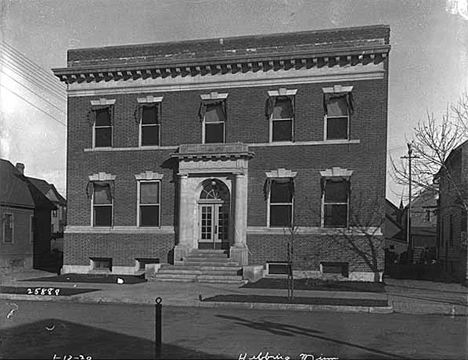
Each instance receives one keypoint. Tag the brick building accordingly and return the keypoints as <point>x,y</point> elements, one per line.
<point>228,144</point>
<point>451,215</point>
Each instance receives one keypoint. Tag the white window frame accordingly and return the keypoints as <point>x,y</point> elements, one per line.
<point>280,174</point>
<point>12,223</point>
<point>149,176</point>
<point>334,90</point>
<point>139,204</point>
<point>102,176</point>
<point>102,205</point>
<point>214,96</point>
<point>282,92</point>
<point>156,100</point>
<point>329,174</point>
<point>106,102</point>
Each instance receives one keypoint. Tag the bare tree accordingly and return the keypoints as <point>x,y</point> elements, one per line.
<point>432,143</point>
<point>363,237</point>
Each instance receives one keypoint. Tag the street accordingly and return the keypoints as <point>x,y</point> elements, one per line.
<point>65,330</point>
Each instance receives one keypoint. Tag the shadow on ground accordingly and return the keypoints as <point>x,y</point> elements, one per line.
<point>46,338</point>
<point>279,329</point>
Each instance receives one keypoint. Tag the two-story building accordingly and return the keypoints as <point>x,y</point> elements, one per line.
<point>452,213</point>
<point>233,144</point>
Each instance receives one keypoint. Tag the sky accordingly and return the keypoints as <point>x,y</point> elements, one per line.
<point>428,60</point>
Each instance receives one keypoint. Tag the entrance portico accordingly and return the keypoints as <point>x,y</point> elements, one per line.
<point>213,180</point>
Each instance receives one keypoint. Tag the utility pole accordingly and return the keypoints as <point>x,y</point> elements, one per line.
<point>408,215</point>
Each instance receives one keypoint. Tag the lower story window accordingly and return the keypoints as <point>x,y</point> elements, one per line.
<point>149,203</point>
<point>335,203</point>
<point>102,205</point>
<point>281,202</point>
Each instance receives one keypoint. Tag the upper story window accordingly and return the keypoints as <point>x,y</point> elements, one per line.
<point>101,118</point>
<point>339,106</point>
<point>101,192</point>
<point>280,112</point>
<point>335,197</point>
<point>280,193</point>
<point>8,228</point>
<point>149,120</point>
<point>213,116</point>
<point>149,199</point>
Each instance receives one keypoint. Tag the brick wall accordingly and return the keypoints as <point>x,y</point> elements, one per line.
<point>363,254</point>
<point>246,123</point>
<point>122,248</point>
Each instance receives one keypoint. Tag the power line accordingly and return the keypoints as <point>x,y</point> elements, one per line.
<point>36,94</point>
<point>25,59</point>
<point>26,68</point>
<point>30,103</point>
<point>33,81</point>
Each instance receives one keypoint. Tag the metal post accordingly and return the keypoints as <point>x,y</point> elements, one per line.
<point>158,328</point>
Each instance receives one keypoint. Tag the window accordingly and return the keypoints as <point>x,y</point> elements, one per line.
<point>102,204</point>
<point>282,119</point>
<point>280,111</point>
<point>335,202</point>
<point>281,202</point>
<point>102,127</point>
<point>54,213</point>
<point>338,107</point>
<point>149,203</point>
<point>149,124</point>
<point>8,228</point>
<point>32,224</point>
<point>213,122</point>
<point>101,264</point>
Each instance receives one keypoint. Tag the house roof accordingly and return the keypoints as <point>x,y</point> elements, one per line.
<point>44,187</point>
<point>17,190</point>
<point>333,47</point>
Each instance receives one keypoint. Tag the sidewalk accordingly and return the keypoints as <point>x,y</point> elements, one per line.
<point>404,296</point>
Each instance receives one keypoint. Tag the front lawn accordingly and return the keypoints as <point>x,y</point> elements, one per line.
<point>318,284</point>
<point>92,278</point>
<point>296,300</point>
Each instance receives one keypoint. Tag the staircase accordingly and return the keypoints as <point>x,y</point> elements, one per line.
<point>208,266</point>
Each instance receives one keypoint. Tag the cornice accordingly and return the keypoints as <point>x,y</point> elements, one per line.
<point>240,64</point>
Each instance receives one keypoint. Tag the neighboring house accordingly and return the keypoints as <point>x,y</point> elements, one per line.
<point>224,144</point>
<point>452,213</point>
<point>25,214</point>
<point>58,216</point>
<point>395,239</point>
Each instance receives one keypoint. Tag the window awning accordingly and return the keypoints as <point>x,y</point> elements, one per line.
<point>95,108</point>
<point>138,114</point>
<point>338,104</point>
<point>271,102</point>
<point>268,181</point>
<point>203,105</point>
<point>90,187</point>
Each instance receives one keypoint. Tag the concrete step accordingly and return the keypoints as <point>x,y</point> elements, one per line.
<point>208,251</point>
<point>178,270</point>
<point>219,277</point>
<point>208,255</point>
<point>203,267</point>
<point>203,259</point>
<point>210,263</point>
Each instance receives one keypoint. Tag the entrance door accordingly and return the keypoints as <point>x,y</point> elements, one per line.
<point>213,211</point>
<point>213,226</point>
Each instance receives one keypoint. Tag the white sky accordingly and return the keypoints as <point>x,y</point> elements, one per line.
<point>428,60</point>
